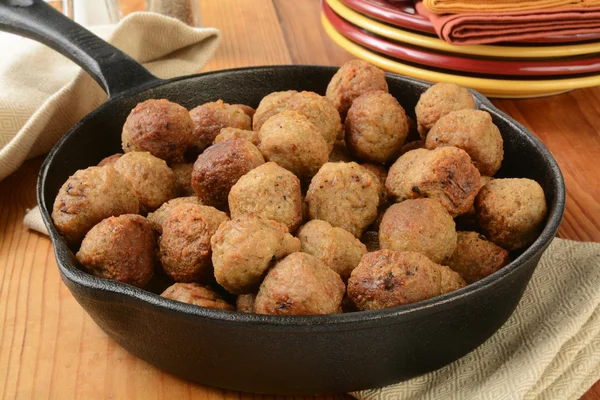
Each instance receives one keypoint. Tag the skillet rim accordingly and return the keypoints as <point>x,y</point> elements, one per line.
<point>314,323</point>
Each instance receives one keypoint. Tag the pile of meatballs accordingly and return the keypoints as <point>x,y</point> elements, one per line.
<point>309,204</point>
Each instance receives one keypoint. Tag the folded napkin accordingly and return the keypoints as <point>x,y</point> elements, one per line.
<point>548,349</point>
<point>43,94</point>
<point>482,28</point>
<point>487,6</point>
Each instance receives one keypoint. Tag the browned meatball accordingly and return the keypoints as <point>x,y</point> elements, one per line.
<point>474,132</point>
<point>183,178</point>
<point>210,118</point>
<point>245,303</point>
<point>345,195</point>
<point>439,100</point>
<point>475,257</point>
<point>89,196</point>
<point>249,111</point>
<point>184,246</point>
<point>376,127</point>
<point>445,174</point>
<point>353,79</point>
<point>198,295</point>
<point>110,160</point>
<point>271,104</point>
<point>300,284</point>
<point>219,168</point>
<point>336,247</point>
<point>270,191</point>
<point>122,248</point>
<point>421,225</point>
<point>159,216</point>
<point>235,133</point>
<point>408,146</point>
<point>340,152</point>
<point>293,142</point>
<point>245,247</point>
<point>468,220</point>
<point>151,178</point>
<point>511,212</point>
<point>387,278</point>
<point>160,127</point>
<point>379,173</point>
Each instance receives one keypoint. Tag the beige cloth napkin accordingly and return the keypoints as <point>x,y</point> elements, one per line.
<point>548,349</point>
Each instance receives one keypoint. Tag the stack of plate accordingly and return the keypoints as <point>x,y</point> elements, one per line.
<point>394,37</point>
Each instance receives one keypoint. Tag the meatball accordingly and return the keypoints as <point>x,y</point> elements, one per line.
<point>210,118</point>
<point>110,160</point>
<point>271,104</point>
<point>379,174</point>
<point>249,111</point>
<point>159,216</point>
<point>235,133</point>
<point>474,132</point>
<point>468,221</point>
<point>439,100</point>
<point>353,79</point>
<point>269,191</point>
<point>318,110</point>
<point>445,174</point>
<point>422,226</point>
<point>336,247</point>
<point>219,168</point>
<point>475,257</point>
<point>376,127</point>
<point>245,303</point>
<point>198,295</point>
<point>184,246</point>
<point>151,178</point>
<point>245,247</point>
<point>340,152</point>
<point>345,195</point>
<point>387,278</point>
<point>300,284</point>
<point>408,146</point>
<point>511,212</point>
<point>122,248</point>
<point>183,178</point>
<point>160,127</point>
<point>293,142</point>
<point>89,196</point>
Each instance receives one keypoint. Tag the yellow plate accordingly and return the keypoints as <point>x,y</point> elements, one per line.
<point>480,50</point>
<point>489,87</point>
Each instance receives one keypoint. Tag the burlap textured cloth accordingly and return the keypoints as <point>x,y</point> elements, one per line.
<point>548,349</point>
<point>483,6</point>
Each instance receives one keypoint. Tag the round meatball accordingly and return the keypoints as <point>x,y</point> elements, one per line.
<point>439,100</point>
<point>345,195</point>
<point>318,110</point>
<point>245,303</point>
<point>511,212</point>
<point>353,79</point>
<point>475,257</point>
<point>235,133</point>
<point>422,226</point>
<point>249,111</point>
<point>110,160</point>
<point>445,174</point>
<point>376,127</point>
<point>340,152</point>
<point>122,248</point>
<point>219,168</point>
<point>300,284</point>
<point>336,247</point>
<point>198,295</point>
<point>293,142</point>
<point>89,196</point>
<point>151,178</point>
<point>160,127</point>
<point>210,118</point>
<point>159,216</point>
<point>245,247</point>
<point>474,132</point>
<point>387,278</point>
<point>269,191</point>
<point>183,178</point>
<point>184,246</point>
<point>271,104</point>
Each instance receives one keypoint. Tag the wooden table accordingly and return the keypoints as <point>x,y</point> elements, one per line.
<point>49,347</point>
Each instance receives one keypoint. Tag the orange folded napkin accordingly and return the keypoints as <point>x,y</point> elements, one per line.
<point>491,6</point>
<point>485,28</point>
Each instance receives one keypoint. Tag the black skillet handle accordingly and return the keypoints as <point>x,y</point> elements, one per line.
<point>114,70</point>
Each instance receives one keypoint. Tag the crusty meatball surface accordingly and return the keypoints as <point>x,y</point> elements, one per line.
<point>122,248</point>
<point>160,127</point>
<point>110,160</point>
<point>89,196</point>
<point>249,111</point>
<point>245,247</point>
<point>300,284</point>
<point>159,216</point>
<point>236,133</point>
<point>271,104</point>
<point>379,173</point>
<point>387,278</point>
<point>511,212</point>
<point>196,294</point>
<point>245,303</point>
<point>183,178</point>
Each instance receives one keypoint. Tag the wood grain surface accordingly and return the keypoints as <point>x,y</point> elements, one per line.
<point>49,347</point>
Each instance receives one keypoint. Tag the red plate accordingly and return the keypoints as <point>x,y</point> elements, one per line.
<point>567,66</point>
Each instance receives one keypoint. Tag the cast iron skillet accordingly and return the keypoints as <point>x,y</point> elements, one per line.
<point>254,353</point>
